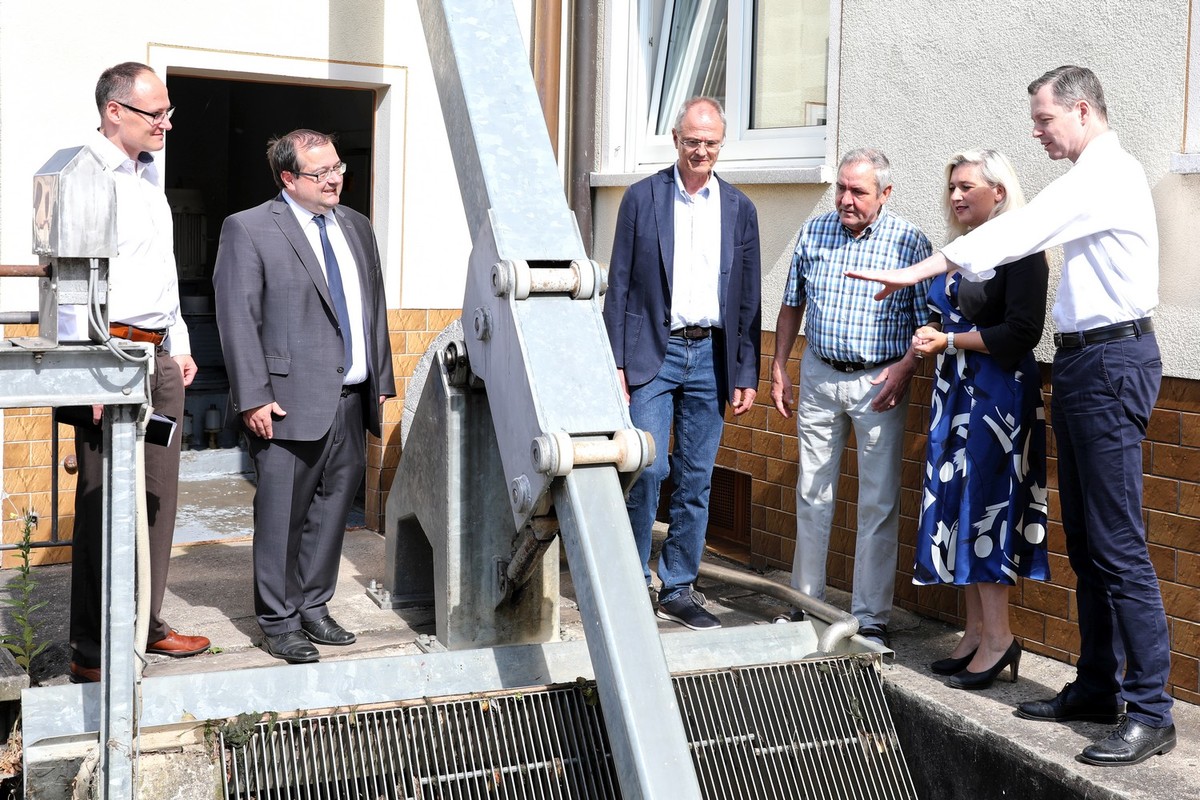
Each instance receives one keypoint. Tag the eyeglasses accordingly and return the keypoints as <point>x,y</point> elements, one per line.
<point>153,117</point>
<point>322,175</point>
<point>694,144</point>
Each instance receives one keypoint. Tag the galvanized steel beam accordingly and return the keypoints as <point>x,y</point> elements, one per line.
<point>549,374</point>
<point>644,727</point>
<point>53,715</point>
<point>118,723</point>
<point>86,375</point>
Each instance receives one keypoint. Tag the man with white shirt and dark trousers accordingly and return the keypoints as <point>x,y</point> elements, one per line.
<point>143,306</point>
<point>1106,378</point>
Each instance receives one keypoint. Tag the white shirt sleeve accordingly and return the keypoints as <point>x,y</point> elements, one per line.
<point>1052,218</point>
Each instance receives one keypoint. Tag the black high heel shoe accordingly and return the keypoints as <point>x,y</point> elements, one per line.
<point>982,680</point>
<point>951,666</point>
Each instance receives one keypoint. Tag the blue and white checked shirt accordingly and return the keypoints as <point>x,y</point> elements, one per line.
<point>843,320</point>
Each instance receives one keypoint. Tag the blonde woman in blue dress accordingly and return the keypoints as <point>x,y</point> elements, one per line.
<point>983,510</point>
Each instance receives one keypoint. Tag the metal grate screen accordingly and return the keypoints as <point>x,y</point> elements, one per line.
<point>808,730</point>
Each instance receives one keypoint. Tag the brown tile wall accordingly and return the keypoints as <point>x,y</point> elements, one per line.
<point>28,476</point>
<point>412,331</point>
<point>27,480</point>
<point>1043,613</point>
<point>27,446</point>
<point>764,444</point>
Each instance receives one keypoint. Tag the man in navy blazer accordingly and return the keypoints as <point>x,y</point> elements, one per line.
<point>300,307</point>
<point>683,315</point>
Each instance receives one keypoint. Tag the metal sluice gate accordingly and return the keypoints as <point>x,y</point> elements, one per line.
<point>517,441</point>
<point>817,729</point>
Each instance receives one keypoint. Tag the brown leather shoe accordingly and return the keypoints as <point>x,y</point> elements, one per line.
<point>177,645</point>
<point>82,674</point>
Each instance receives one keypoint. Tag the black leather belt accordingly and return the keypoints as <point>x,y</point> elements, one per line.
<point>1106,333</point>
<point>692,332</point>
<point>353,388</point>
<point>855,366</point>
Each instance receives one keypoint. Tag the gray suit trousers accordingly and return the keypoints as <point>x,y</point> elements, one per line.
<point>305,491</point>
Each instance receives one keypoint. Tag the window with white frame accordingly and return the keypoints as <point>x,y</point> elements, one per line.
<point>767,61</point>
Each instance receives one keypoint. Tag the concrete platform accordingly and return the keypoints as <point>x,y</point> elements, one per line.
<point>210,593</point>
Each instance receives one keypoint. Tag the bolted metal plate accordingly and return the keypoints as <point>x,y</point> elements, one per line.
<point>817,729</point>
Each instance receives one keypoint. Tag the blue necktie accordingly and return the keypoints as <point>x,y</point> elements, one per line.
<point>334,276</point>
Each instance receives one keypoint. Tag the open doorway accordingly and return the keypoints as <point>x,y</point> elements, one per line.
<point>215,166</point>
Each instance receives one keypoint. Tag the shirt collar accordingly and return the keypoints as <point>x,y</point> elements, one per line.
<point>1105,142</point>
<point>869,231</point>
<point>303,214</point>
<point>115,159</point>
<point>705,190</point>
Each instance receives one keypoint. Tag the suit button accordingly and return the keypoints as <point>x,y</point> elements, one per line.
<point>341,370</point>
<point>667,322</point>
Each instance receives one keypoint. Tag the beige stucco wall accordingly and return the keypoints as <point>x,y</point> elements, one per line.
<point>921,80</point>
<point>52,52</point>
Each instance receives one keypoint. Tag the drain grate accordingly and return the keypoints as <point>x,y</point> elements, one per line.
<point>808,730</point>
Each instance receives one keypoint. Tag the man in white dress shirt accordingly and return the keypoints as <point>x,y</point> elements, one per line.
<point>683,313</point>
<point>1106,378</point>
<point>143,305</point>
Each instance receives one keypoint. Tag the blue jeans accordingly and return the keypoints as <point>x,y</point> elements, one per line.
<point>1103,396</point>
<point>683,393</point>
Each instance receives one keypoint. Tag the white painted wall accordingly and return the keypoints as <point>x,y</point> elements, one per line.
<point>922,80</point>
<point>52,51</point>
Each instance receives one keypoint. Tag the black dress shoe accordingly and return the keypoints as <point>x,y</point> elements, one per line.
<point>292,647</point>
<point>982,680</point>
<point>951,666</point>
<point>327,631</point>
<point>1131,743</point>
<point>1064,708</point>
<point>877,634</point>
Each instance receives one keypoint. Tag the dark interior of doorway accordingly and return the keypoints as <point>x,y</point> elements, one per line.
<point>215,166</point>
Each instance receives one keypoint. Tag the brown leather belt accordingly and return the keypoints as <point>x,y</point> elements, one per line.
<point>136,334</point>
<point>1107,333</point>
<point>692,332</point>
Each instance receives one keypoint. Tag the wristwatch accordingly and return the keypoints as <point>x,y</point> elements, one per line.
<point>950,348</point>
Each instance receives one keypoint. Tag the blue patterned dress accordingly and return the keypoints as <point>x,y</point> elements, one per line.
<point>984,500</point>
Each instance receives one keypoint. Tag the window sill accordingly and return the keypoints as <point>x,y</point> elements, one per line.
<point>1185,163</point>
<point>739,176</point>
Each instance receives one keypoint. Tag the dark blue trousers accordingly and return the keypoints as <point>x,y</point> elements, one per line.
<point>1103,396</point>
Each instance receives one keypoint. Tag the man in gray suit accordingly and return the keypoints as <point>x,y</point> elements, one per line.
<point>300,307</point>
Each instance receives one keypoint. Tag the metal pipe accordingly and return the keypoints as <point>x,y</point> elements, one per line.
<point>581,145</point>
<point>24,270</point>
<point>545,59</point>
<point>842,625</point>
<point>36,545</point>
<point>18,318</point>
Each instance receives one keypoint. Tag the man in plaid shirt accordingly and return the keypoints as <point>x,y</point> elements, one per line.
<point>854,375</point>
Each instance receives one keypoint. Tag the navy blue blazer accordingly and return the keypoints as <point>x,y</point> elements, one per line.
<point>637,305</point>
